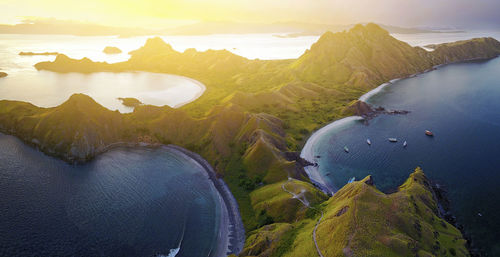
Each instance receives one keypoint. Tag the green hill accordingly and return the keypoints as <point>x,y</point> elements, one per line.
<point>251,116</point>
<point>359,220</point>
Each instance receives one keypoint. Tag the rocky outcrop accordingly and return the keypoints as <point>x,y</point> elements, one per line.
<point>112,50</point>
<point>130,101</point>
<point>3,74</point>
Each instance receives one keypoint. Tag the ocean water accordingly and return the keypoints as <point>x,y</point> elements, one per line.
<point>126,202</point>
<point>49,89</point>
<point>459,103</point>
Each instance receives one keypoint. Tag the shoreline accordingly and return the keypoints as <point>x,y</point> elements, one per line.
<point>231,231</point>
<point>308,154</point>
<point>231,235</point>
<point>198,95</point>
<point>307,151</point>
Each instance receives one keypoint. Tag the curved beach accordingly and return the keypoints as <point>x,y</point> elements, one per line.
<point>231,236</point>
<point>307,153</point>
<point>200,93</point>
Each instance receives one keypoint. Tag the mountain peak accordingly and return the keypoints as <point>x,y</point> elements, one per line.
<point>368,28</point>
<point>80,99</point>
<point>156,45</point>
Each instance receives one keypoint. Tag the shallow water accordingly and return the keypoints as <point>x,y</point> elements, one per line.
<point>459,103</point>
<point>127,202</point>
<point>49,89</point>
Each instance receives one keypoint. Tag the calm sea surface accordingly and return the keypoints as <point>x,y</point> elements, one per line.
<point>126,202</point>
<point>459,103</point>
<point>144,202</point>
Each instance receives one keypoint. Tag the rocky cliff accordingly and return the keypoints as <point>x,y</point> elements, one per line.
<point>359,220</point>
<point>252,113</point>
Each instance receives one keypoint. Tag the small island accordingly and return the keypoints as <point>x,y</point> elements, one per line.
<point>44,53</point>
<point>3,74</point>
<point>112,50</point>
<point>130,102</point>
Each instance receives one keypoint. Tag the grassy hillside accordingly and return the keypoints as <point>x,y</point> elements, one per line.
<point>252,114</point>
<point>359,220</point>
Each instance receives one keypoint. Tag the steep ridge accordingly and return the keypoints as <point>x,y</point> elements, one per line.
<point>252,115</point>
<point>359,220</point>
<point>365,56</point>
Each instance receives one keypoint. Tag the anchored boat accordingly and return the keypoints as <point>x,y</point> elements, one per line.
<point>429,133</point>
<point>346,149</point>
<point>393,140</point>
<point>405,144</point>
<point>368,141</point>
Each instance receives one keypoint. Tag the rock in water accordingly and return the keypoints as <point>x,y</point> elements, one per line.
<point>130,102</point>
<point>111,50</point>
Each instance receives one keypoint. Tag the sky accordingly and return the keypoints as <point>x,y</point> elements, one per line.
<point>169,13</point>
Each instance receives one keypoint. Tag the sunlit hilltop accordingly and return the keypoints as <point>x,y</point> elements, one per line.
<point>249,128</point>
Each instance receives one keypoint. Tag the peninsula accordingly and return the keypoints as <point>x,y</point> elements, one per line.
<point>252,119</point>
<point>44,53</point>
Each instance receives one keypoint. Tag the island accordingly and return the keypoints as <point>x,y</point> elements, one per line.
<point>249,126</point>
<point>3,74</point>
<point>130,101</point>
<point>44,53</point>
<point>112,50</point>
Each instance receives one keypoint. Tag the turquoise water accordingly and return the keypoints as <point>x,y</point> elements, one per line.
<point>459,103</point>
<point>126,202</point>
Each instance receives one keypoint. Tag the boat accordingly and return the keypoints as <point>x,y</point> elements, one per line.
<point>405,144</point>
<point>429,133</point>
<point>346,149</point>
<point>393,140</point>
<point>351,180</point>
<point>368,141</point>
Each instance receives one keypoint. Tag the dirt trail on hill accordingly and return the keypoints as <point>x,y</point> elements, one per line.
<point>306,204</point>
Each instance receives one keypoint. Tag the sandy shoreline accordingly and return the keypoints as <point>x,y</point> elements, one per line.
<point>231,236</point>
<point>198,83</point>
<point>307,152</point>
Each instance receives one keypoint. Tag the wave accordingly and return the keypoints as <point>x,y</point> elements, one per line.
<point>172,253</point>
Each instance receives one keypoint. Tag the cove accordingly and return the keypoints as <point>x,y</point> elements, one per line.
<point>459,103</point>
<point>126,202</point>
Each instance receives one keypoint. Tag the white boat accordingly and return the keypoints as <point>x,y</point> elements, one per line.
<point>368,141</point>
<point>405,144</point>
<point>393,140</point>
<point>346,149</point>
<point>351,180</point>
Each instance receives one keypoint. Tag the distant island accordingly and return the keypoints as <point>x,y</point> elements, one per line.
<point>250,124</point>
<point>280,29</point>
<point>44,53</point>
<point>3,74</point>
<point>65,27</point>
<point>111,50</point>
<point>129,101</point>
